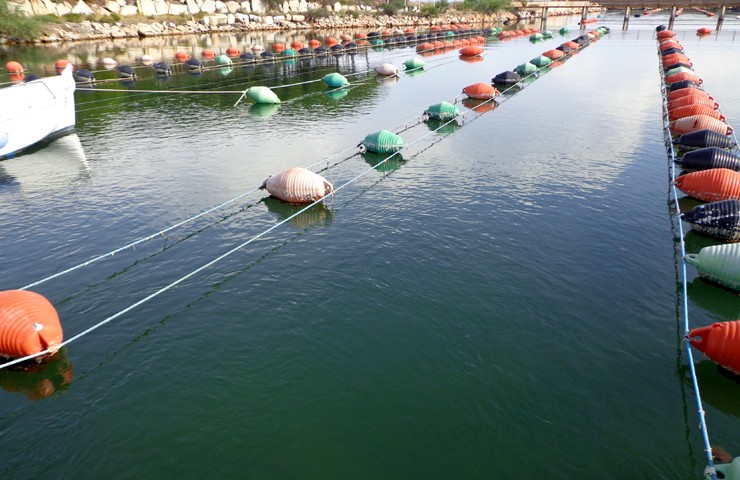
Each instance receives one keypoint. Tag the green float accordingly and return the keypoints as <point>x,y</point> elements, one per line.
<point>223,60</point>
<point>335,80</point>
<point>718,263</point>
<point>262,95</point>
<point>414,63</point>
<point>382,142</point>
<point>540,61</point>
<point>442,111</point>
<point>525,69</point>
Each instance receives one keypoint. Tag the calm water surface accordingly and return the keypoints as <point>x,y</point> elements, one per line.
<point>502,303</point>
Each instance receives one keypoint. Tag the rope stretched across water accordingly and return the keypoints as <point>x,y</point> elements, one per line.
<point>228,253</point>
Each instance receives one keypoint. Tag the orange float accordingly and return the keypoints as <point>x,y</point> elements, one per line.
<point>710,185</point>
<point>313,43</point>
<point>687,100</point>
<point>60,65</point>
<point>694,109</point>
<point>278,47</point>
<point>666,34</point>
<point>345,38</point>
<point>480,91</point>
<point>668,44</point>
<point>554,54</point>
<point>208,54</point>
<point>29,324</point>
<point>695,123</point>
<point>13,67</point>
<point>720,342</point>
<point>676,58</point>
<point>681,76</point>
<point>424,47</point>
<point>233,52</point>
<point>362,36</point>
<point>330,41</point>
<point>296,45</point>
<point>685,92</point>
<point>704,31</point>
<point>182,56</point>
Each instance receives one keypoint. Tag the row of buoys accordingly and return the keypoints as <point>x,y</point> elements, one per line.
<point>711,174</point>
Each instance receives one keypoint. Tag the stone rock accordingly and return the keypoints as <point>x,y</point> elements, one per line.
<point>209,6</point>
<point>246,7</point>
<point>257,6</point>
<point>298,18</point>
<point>241,18</point>
<point>232,6</point>
<point>255,19</point>
<point>218,19</point>
<point>129,11</point>
<point>98,10</point>
<point>230,19</point>
<point>221,7</point>
<point>112,6</point>
<point>146,7</point>
<point>285,7</point>
<point>278,19</point>
<point>302,6</point>
<point>161,7</point>
<point>146,30</point>
<point>38,7</point>
<point>337,7</point>
<point>82,8</point>
<point>193,7</point>
<point>292,5</point>
<point>64,8</point>
<point>178,9</point>
<point>267,20</point>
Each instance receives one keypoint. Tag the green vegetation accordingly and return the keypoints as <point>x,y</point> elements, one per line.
<point>392,7</point>
<point>486,6</point>
<point>18,27</point>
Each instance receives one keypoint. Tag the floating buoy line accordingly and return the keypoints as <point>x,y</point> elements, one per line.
<point>294,185</point>
<point>707,144</point>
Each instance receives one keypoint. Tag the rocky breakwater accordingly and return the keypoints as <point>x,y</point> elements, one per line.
<point>148,18</point>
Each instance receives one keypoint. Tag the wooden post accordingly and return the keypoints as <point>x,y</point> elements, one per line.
<point>674,9</point>
<point>721,17</point>
<point>584,13</point>
<point>626,21</point>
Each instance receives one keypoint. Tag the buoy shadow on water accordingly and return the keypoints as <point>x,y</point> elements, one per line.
<point>39,380</point>
<point>442,127</point>
<point>707,295</point>
<point>393,162</point>
<point>264,110</point>
<point>318,214</point>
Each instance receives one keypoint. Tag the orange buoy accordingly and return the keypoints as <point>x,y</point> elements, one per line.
<point>60,65</point>
<point>676,58</point>
<point>571,45</point>
<point>471,51</point>
<point>278,47</point>
<point>13,67</point>
<point>704,31</point>
<point>710,185</point>
<point>438,44</point>
<point>666,34</point>
<point>409,31</point>
<point>480,91</point>
<point>435,28</point>
<point>361,36</point>
<point>720,342</point>
<point>692,100</point>
<point>208,54</point>
<point>668,44</point>
<point>345,38</point>
<point>694,109</point>
<point>554,54</point>
<point>313,43</point>
<point>424,47</point>
<point>695,123</point>
<point>233,52</point>
<point>330,41</point>
<point>680,76</point>
<point>457,43</point>
<point>29,324</point>
<point>684,92</point>
<point>296,45</point>
<point>386,33</point>
<point>16,78</point>
<point>182,56</point>
<point>465,42</point>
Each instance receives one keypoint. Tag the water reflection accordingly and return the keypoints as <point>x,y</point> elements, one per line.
<point>39,380</point>
<point>264,110</point>
<point>714,298</point>
<point>718,386</point>
<point>382,162</point>
<point>319,214</point>
<point>443,127</point>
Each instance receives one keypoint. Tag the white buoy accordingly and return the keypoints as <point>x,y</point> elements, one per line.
<point>108,63</point>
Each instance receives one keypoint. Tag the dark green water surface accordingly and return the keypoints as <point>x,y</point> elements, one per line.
<point>503,303</point>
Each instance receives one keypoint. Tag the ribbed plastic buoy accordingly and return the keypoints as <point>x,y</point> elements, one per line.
<point>108,63</point>
<point>278,47</point>
<point>554,54</point>
<point>703,31</point>
<point>670,43</point>
<point>676,58</point>
<point>709,157</point>
<point>194,64</point>
<point>442,111</point>
<point>688,91</point>
<point>313,43</point>
<point>672,51</point>
<point>682,84</point>
<point>506,78</point>
<point>729,471</point>
<point>289,52</point>
<point>262,95</point>
<point>671,66</point>
<point>233,52</point>
<point>146,60</point>
<point>480,91</point>
<point>60,65</point>
<point>425,47</point>
<point>525,69</point>
<point>162,68</point>
<point>677,77</point>
<point>689,110</point>
<point>471,51</point>
<point>540,61</point>
<point>720,220</point>
<point>386,69</point>
<point>535,37</point>
<point>680,69</point>
<point>719,263</point>
<point>666,34</point>
<point>335,80</point>
<point>257,49</point>
<point>125,71</point>
<point>720,342</point>
<point>710,185</point>
<point>208,54</point>
<point>564,31</point>
<point>14,67</point>
<point>296,45</point>
<point>29,324</point>
<point>182,56</point>
<point>414,63</point>
<point>704,138</point>
<point>687,100</point>
<point>695,123</point>
<point>298,185</point>
<point>571,45</point>
<point>382,142</point>
<point>223,60</point>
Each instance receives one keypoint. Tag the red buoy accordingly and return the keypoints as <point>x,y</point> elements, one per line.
<point>208,54</point>
<point>330,41</point>
<point>276,47</point>
<point>233,52</point>
<point>687,100</point>
<point>704,31</point>
<point>711,185</point>
<point>296,45</point>
<point>554,54</point>
<point>313,43</point>
<point>13,67</point>
<point>480,91</point>
<point>695,123</point>
<point>694,109</point>
<point>471,51</point>
<point>680,76</point>
<point>720,342</point>
<point>60,65</point>
<point>182,56</point>
<point>666,34</point>
<point>29,324</point>
<point>684,92</point>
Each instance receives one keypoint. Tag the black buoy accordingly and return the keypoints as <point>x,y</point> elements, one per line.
<point>127,72</point>
<point>709,157</point>
<point>194,64</point>
<point>720,220</point>
<point>162,69</point>
<point>506,78</point>
<point>683,84</point>
<point>703,139</point>
<point>83,76</point>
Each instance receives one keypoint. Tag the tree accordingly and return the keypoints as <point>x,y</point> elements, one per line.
<point>16,26</point>
<point>486,6</point>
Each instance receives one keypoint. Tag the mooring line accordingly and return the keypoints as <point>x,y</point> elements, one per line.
<point>710,470</point>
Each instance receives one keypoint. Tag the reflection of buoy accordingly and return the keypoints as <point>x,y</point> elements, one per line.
<point>298,185</point>
<point>720,342</point>
<point>710,185</point>
<point>480,106</point>
<point>29,324</point>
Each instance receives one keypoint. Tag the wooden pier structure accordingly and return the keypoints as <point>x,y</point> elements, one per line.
<point>675,6</point>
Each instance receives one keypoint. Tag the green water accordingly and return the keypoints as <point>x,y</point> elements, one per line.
<point>500,303</point>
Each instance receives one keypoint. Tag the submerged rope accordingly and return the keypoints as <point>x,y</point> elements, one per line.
<point>684,283</point>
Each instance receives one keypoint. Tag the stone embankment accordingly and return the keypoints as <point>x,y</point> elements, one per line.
<point>148,18</point>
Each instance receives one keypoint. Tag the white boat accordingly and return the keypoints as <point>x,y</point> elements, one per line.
<point>35,111</point>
